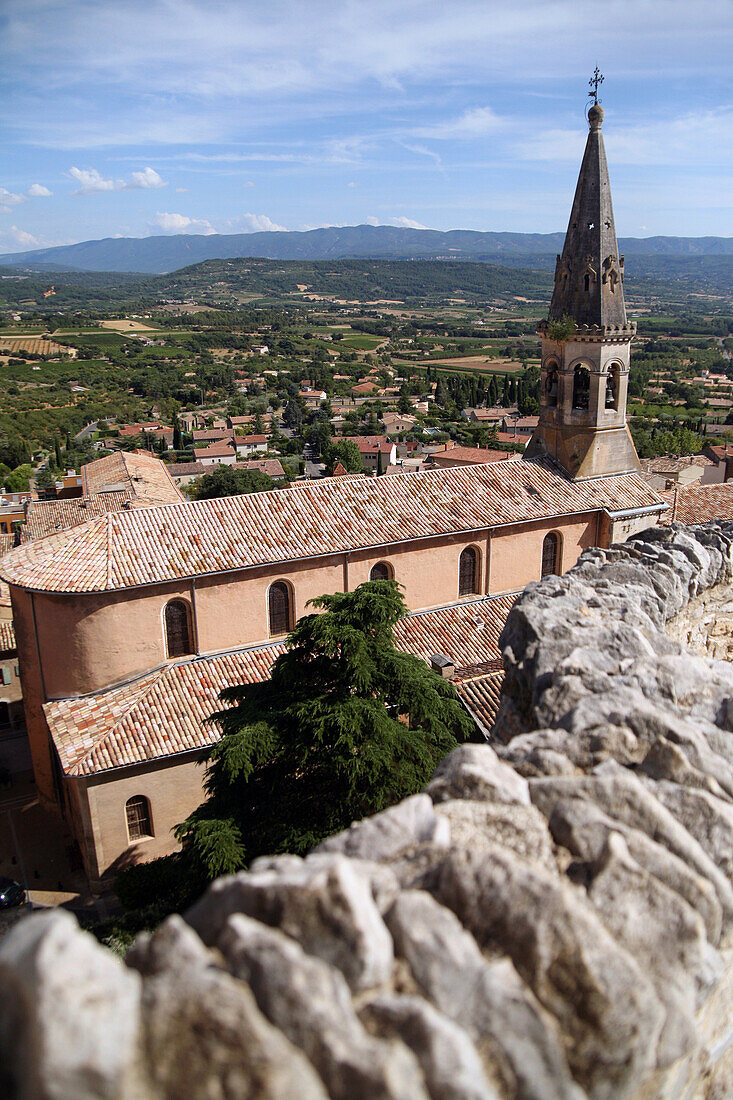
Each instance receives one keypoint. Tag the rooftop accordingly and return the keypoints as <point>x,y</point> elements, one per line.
<point>7,639</point>
<point>699,503</point>
<point>135,471</point>
<point>164,712</point>
<point>46,517</point>
<point>152,545</point>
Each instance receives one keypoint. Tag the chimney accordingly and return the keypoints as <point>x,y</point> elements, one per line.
<point>443,666</point>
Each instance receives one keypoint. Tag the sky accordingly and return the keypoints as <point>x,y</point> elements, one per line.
<point>138,117</point>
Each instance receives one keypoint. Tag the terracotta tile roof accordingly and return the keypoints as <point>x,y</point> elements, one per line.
<point>664,464</point>
<point>7,542</point>
<point>480,696</point>
<point>698,503</point>
<point>470,456</point>
<point>467,633</point>
<point>223,449</point>
<point>46,517</point>
<point>7,638</point>
<point>4,595</point>
<point>142,474</point>
<point>151,545</point>
<point>165,711</point>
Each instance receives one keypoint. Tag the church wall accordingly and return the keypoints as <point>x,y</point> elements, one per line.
<point>32,683</point>
<point>174,788</point>
<point>516,552</point>
<point>89,642</point>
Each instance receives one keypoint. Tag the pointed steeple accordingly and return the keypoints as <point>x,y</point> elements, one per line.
<point>589,274</point>
<point>586,339</point>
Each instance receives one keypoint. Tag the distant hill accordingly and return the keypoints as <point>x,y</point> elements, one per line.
<point>158,255</point>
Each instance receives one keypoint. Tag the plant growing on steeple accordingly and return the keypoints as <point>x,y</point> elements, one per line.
<point>562,329</point>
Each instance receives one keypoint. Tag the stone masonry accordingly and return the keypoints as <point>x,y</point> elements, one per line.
<point>549,920</point>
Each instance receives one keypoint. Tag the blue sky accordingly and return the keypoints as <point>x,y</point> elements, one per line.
<point>132,117</point>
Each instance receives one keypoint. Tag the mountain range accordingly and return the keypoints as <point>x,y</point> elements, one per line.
<point>161,254</point>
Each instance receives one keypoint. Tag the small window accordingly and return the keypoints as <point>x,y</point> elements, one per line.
<point>380,572</point>
<point>137,812</point>
<point>467,572</point>
<point>550,554</point>
<point>581,387</point>
<point>278,606</point>
<point>177,629</point>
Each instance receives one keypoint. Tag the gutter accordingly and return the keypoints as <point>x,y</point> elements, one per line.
<point>629,512</point>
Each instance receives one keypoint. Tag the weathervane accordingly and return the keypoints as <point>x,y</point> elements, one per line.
<point>594,81</point>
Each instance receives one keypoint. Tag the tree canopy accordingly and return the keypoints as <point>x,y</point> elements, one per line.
<point>346,726</point>
<point>225,481</point>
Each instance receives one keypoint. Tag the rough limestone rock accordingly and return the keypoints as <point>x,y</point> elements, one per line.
<point>204,1035</point>
<point>69,1014</point>
<point>386,835</point>
<point>607,1008</point>
<point>326,905</point>
<point>479,825</point>
<point>522,1052</point>
<point>476,772</point>
<point>552,919</point>
<point>449,1060</point>
<point>310,1002</point>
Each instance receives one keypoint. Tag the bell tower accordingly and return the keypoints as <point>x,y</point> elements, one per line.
<point>586,339</point>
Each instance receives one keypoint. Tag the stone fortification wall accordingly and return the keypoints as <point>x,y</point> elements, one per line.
<point>550,920</point>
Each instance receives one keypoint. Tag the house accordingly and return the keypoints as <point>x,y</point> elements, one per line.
<point>250,444</point>
<point>453,455</point>
<point>153,430</point>
<point>398,422</point>
<point>665,471</point>
<point>363,389</point>
<point>221,453</point>
<point>183,473</point>
<point>371,447</point>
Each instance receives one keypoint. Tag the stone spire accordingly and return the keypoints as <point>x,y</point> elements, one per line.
<point>589,274</point>
<point>586,339</point>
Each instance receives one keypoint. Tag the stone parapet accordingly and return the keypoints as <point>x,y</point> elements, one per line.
<point>550,919</point>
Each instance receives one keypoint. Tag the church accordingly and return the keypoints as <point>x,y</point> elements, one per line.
<point>129,625</point>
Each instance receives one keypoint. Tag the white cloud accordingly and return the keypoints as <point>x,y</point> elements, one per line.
<point>91,182</point>
<point>180,223</point>
<point>253,223</point>
<point>19,236</point>
<point>408,223</point>
<point>181,190</point>
<point>351,183</point>
<point>148,179</point>
<point>10,198</point>
<point>474,123</point>
<point>38,191</point>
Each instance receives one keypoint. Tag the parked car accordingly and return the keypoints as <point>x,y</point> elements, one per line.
<point>11,893</point>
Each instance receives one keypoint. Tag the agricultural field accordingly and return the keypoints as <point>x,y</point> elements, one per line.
<point>35,345</point>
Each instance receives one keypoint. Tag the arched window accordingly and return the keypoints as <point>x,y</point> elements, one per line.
<point>278,607</point>
<point>612,387</point>
<point>468,572</point>
<point>581,387</point>
<point>380,572</point>
<point>550,554</point>
<point>177,629</point>
<point>551,384</point>
<point>137,812</point>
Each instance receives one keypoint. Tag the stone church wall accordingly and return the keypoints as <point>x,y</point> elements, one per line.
<point>550,920</point>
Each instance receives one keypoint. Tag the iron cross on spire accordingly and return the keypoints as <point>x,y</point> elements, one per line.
<point>594,81</point>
